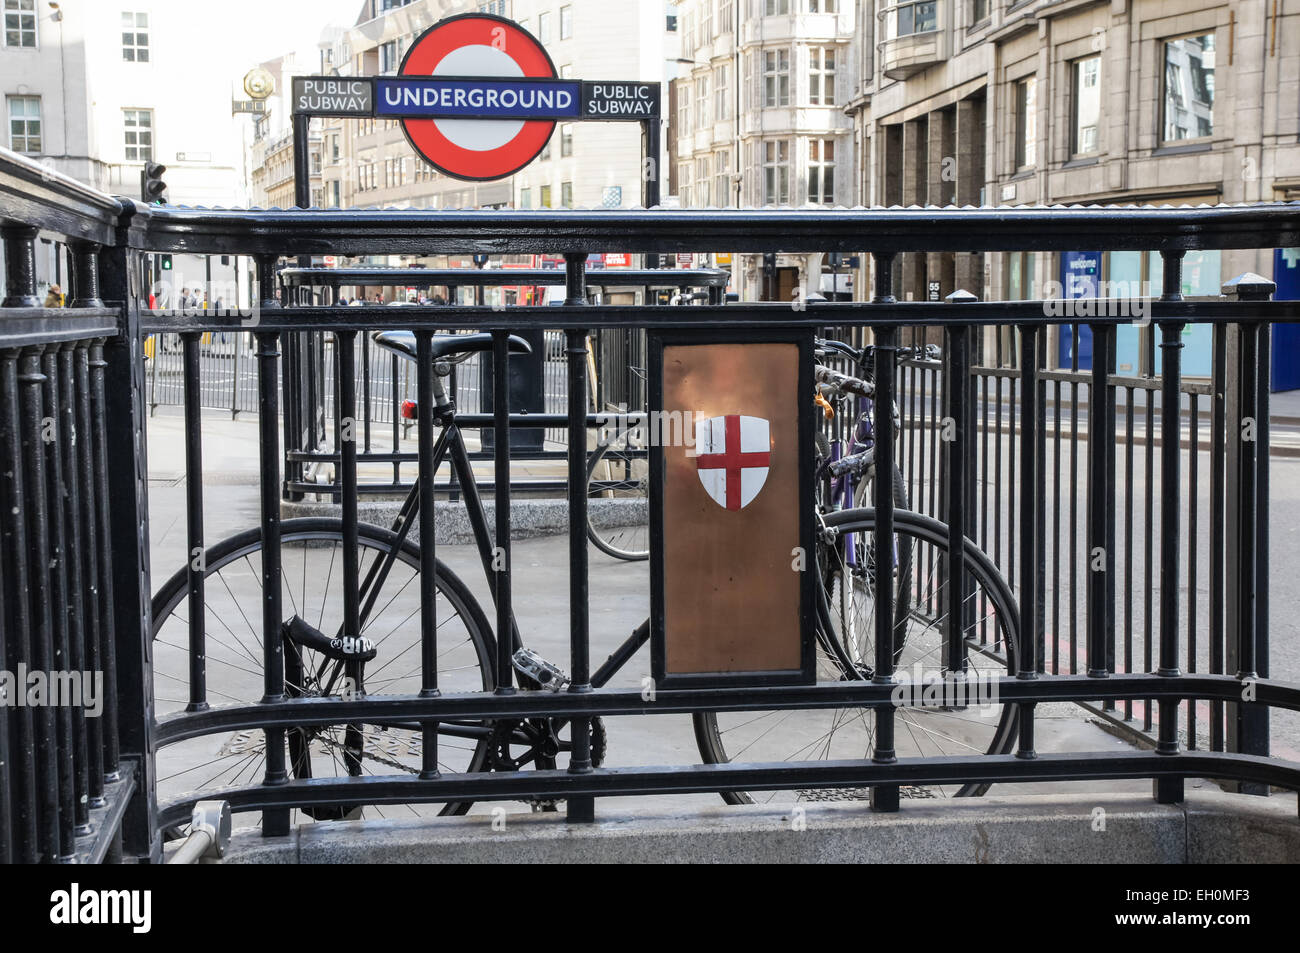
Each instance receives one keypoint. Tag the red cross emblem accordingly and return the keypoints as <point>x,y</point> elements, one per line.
<point>734,454</point>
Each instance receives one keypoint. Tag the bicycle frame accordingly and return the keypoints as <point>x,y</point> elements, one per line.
<point>451,442</point>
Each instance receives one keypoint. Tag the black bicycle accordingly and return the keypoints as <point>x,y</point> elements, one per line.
<point>384,656</point>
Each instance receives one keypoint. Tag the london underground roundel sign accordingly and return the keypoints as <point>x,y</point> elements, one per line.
<point>488,46</point>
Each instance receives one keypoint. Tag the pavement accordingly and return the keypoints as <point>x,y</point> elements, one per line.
<point>619,602</point>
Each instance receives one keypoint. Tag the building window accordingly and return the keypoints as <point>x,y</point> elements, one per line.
<point>135,37</point>
<point>979,11</point>
<point>703,179</point>
<point>1189,88</point>
<point>388,57</point>
<point>1019,276</point>
<point>497,7</point>
<point>920,17</point>
<point>544,27</point>
<point>1026,122</point>
<point>776,8</point>
<point>566,139</point>
<point>138,124</point>
<point>722,92</point>
<point>776,77</point>
<point>821,77</point>
<point>724,16</point>
<point>545,154</point>
<point>705,24</point>
<point>566,194</point>
<point>25,123</point>
<point>544,196</point>
<point>335,197</point>
<point>684,126</point>
<point>776,172</point>
<point>702,101</point>
<point>684,183</point>
<point>722,179</point>
<point>20,23</point>
<point>525,198</point>
<point>1086,105</point>
<point>821,171</point>
<point>566,22</point>
<point>821,6</point>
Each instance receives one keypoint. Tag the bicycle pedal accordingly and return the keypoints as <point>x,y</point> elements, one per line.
<point>546,674</point>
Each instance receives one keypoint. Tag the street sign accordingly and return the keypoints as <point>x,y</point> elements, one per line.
<point>620,100</point>
<point>478,98</point>
<point>500,141</point>
<point>333,96</point>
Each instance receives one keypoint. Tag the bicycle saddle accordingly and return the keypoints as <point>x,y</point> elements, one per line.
<point>445,345</point>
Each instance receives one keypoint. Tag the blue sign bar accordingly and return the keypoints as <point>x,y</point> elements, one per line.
<point>434,97</point>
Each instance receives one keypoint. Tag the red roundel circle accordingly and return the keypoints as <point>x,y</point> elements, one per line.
<point>476,44</point>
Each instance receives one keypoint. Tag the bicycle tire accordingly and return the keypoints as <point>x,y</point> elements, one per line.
<point>631,542</point>
<point>988,589</point>
<point>314,533</point>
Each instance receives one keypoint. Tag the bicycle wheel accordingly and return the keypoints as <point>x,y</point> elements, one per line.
<point>618,493</point>
<point>848,578</point>
<point>985,726</point>
<point>311,573</point>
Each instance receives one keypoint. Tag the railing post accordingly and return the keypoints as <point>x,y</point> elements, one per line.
<point>1247,517</point>
<point>85,282</point>
<point>884,797</point>
<point>501,510</point>
<point>275,822</point>
<point>956,443</point>
<point>195,547</point>
<point>20,266</point>
<point>129,627</point>
<point>1030,486</point>
<point>581,809</point>
<point>1100,571</point>
<point>1169,790</point>
<point>428,552</point>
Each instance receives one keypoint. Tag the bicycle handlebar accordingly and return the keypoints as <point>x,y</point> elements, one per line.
<point>842,383</point>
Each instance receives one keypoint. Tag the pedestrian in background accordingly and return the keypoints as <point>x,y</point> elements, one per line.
<point>54,298</point>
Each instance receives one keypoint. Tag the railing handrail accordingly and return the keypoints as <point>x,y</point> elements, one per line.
<point>581,231</point>
<point>768,313</point>
<point>492,277</point>
<point>33,191</point>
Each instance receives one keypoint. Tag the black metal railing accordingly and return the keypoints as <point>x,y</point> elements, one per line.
<point>276,785</point>
<point>72,736</point>
<point>618,366</point>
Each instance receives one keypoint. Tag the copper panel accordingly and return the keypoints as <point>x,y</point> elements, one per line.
<point>731,590</point>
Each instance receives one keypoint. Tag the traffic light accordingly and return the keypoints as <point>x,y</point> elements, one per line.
<point>769,265</point>
<point>152,186</point>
